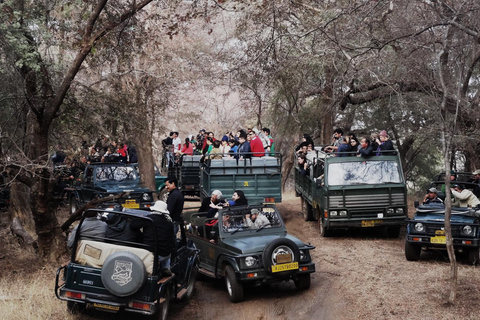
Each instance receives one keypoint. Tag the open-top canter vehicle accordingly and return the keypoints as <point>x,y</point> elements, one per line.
<point>109,179</point>
<point>258,177</point>
<point>186,168</point>
<point>426,230</point>
<point>114,275</point>
<point>245,254</point>
<point>353,192</point>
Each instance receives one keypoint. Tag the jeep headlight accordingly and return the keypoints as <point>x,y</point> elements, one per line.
<point>390,211</point>
<point>468,230</point>
<point>419,227</point>
<point>399,210</point>
<point>250,261</point>
<point>333,213</point>
<point>304,255</point>
<point>146,197</point>
<point>343,212</point>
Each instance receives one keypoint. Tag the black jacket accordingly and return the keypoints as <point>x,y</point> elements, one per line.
<point>175,203</point>
<point>162,228</point>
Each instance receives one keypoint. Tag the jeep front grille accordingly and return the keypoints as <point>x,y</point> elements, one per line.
<point>367,201</point>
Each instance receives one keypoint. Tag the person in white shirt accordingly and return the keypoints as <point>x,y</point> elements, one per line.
<point>177,143</point>
<point>256,220</point>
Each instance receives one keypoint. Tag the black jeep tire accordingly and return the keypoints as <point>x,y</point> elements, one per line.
<point>120,285</point>
<point>412,252</point>
<point>272,246</point>
<point>74,204</point>
<point>234,288</point>
<point>307,210</point>
<point>303,281</point>
<point>474,256</point>
<point>324,231</point>
<point>191,282</point>
<point>163,194</point>
<point>75,307</point>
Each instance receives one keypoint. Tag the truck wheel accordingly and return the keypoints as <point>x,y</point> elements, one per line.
<point>393,232</point>
<point>474,256</point>
<point>307,210</point>
<point>163,195</point>
<point>75,307</point>
<point>303,281</point>
<point>74,204</point>
<point>123,273</point>
<point>412,252</point>
<point>163,310</point>
<point>191,282</point>
<point>324,232</point>
<point>234,288</point>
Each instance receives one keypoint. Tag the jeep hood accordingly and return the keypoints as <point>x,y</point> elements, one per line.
<point>255,244</point>
<point>122,187</point>
<point>459,218</point>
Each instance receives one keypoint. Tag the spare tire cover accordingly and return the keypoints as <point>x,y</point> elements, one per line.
<point>123,273</point>
<point>276,247</point>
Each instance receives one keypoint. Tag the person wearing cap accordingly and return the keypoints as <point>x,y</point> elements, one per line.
<point>384,144</point>
<point>464,197</point>
<point>432,197</point>
<point>255,220</point>
<point>162,230</point>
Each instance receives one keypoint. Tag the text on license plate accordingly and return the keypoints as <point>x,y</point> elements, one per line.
<point>438,239</point>
<point>106,306</point>
<point>370,223</point>
<point>131,204</point>
<point>284,267</point>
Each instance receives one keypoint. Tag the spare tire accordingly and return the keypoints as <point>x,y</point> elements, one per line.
<point>123,273</point>
<point>280,246</point>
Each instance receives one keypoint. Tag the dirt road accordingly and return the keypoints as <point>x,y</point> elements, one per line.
<point>360,274</point>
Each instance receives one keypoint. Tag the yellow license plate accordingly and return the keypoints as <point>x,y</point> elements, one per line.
<point>285,267</point>
<point>131,204</point>
<point>438,239</point>
<point>106,306</point>
<point>368,223</point>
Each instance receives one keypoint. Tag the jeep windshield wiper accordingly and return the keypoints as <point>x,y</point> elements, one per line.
<point>265,225</point>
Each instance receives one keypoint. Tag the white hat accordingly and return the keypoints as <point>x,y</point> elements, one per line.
<point>160,206</point>
<point>476,172</point>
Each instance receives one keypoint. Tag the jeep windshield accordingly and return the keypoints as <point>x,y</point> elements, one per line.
<point>365,172</point>
<point>245,220</point>
<point>114,174</point>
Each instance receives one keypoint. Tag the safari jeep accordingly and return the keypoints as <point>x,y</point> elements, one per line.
<point>427,231</point>
<point>113,275</point>
<point>249,256</point>
<point>107,179</point>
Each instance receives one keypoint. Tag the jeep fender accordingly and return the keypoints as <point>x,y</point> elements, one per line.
<point>222,261</point>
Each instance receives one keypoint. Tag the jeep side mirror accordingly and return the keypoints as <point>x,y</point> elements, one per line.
<point>416,203</point>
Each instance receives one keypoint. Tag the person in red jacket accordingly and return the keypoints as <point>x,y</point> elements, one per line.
<point>256,145</point>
